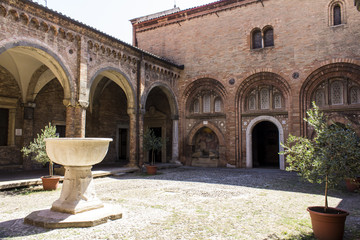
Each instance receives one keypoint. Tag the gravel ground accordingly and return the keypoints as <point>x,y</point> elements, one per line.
<point>190,203</point>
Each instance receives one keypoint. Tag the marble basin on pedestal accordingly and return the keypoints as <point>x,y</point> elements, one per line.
<point>78,205</point>
<point>77,155</point>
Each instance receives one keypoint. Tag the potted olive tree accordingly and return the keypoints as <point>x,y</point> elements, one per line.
<point>330,157</point>
<point>37,152</point>
<point>151,143</point>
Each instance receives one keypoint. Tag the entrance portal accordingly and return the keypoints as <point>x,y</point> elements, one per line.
<point>265,145</point>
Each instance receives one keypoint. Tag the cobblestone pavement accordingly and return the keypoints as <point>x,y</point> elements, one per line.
<point>189,203</point>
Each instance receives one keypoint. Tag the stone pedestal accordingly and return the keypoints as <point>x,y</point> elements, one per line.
<point>78,205</point>
<point>78,192</point>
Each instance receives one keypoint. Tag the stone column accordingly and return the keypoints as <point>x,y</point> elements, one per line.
<point>141,134</point>
<point>28,130</point>
<point>75,120</point>
<point>175,141</point>
<point>132,137</point>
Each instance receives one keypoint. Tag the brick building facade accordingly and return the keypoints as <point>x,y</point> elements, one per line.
<point>222,83</point>
<point>264,62</point>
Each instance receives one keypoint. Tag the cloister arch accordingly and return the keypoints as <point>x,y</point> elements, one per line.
<point>169,94</point>
<point>161,114</point>
<point>111,113</point>
<point>23,58</point>
<point>117,76</point>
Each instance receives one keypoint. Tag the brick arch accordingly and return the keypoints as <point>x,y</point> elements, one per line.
<point>210,125</point>
<point>47,56</point>
<point>203,84</point>
<point>334,69</point>
<point>266,78</point>
<point>119,77</point>
<point>168,92</point>
<point>330,70</point>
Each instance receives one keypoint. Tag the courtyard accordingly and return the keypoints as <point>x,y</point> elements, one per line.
<point>190,203</point>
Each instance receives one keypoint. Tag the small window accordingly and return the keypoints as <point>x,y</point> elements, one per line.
<point>264,98</point>
<point>252,102</point>
<point>206,106</point>
<point>4,121</point>
<point>337,14</point>
<point>196,106</point>
<point>277,101</point>
<point>355,95</point>
<point>269,37</point>
<point>217,105</point>
<point>256,39</point>
<point>337,93</point>
<point>320,98</point>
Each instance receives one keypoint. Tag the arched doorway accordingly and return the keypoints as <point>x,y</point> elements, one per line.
<point>265,145</point>
<point>250,135</point>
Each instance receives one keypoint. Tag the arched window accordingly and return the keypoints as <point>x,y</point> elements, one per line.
<point>337,14</point>
<point>252,102</point>
<point>337,93</point>
<point>320,98</point>
<point>256,39</point>
<point>217,105</point>
<point>268,37</point>
<point>196,106</point>
<point>206,104</point>
<point>277,101</point>
<point>355,95</point>
<point>264,98</point>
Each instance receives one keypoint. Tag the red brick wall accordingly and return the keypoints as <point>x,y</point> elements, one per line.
<point>217,46</point>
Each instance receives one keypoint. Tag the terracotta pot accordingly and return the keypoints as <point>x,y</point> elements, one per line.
<point>151,170</point>
<point>330,225</point>
<point>50,182</point>
<point>352,184</point>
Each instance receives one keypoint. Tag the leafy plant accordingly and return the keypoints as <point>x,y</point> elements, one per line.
<point>37,149</point>
<point>151,143</point>
<point>330,157</point>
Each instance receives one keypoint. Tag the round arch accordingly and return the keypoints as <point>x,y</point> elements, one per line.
<point>252,124</point>
<point>210,125</point>
<point>119,78</point>
<point>329,70</point>
<point>168,92</point>
<point>268,78</point>
<point>16,52</point>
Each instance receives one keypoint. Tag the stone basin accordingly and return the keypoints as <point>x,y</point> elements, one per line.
<point>77,155</point>
<point>78,205</point>
<point>77,151</point>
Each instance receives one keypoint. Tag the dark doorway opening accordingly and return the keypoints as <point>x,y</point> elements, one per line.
<point>157,154</point>
<point>123,137</point>
<point>4,121</point>
<point>60,130</point>
<point>265,145</point>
